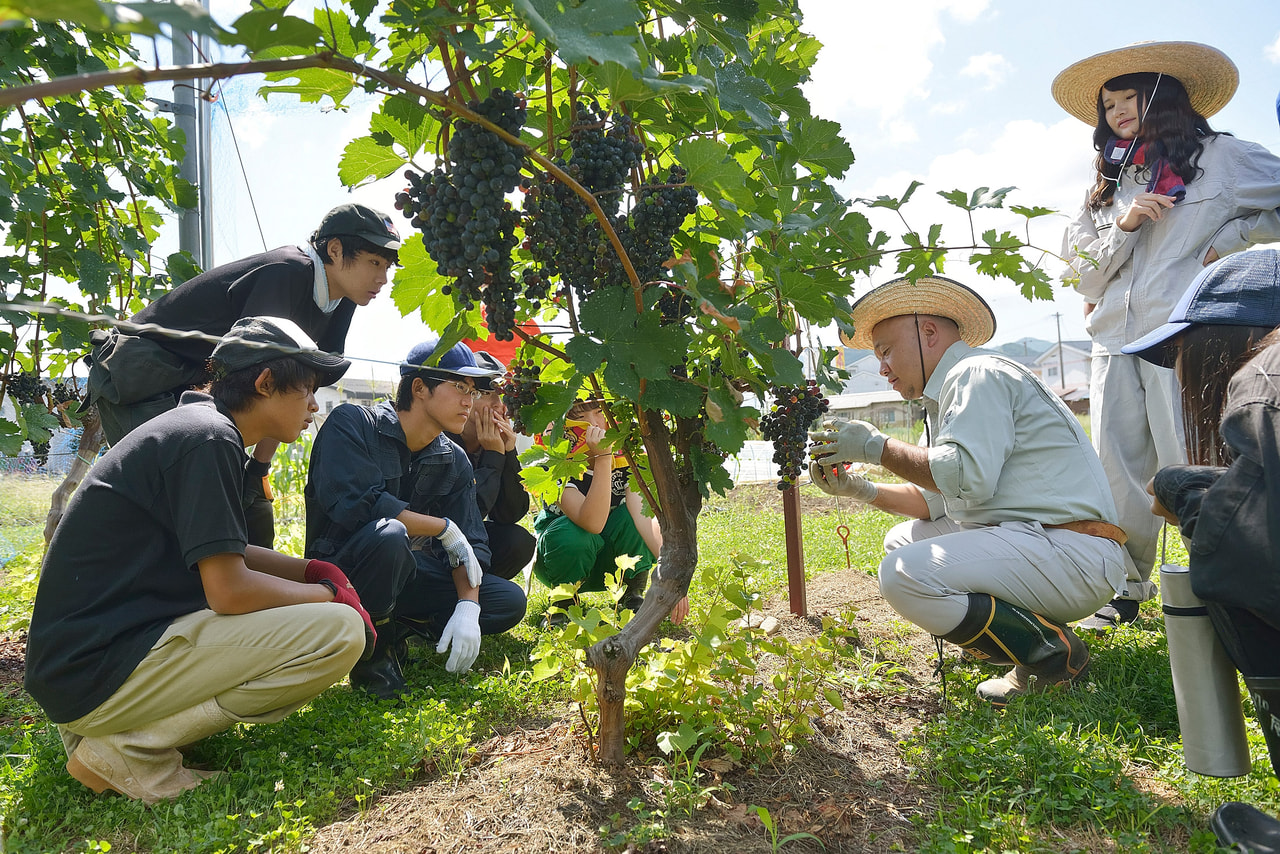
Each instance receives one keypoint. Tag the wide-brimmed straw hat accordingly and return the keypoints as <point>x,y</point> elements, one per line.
<point>1207,74</point>
<point>928,295</point>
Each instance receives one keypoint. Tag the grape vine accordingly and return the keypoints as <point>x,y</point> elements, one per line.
<point>467,225</point>
<point>786,425</point>
<point>519,389</point>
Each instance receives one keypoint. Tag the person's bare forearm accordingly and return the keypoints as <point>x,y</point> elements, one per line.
<point>274,563</point>
<point>909,462</point>
<point>903,499</point>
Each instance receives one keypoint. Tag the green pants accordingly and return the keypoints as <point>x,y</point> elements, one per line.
<point>566,554</point>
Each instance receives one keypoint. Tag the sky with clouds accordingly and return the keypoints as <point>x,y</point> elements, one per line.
<point>952,93</point>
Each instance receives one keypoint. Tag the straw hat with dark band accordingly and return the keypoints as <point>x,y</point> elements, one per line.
<point>929,295</point>
<point>1209,77</point>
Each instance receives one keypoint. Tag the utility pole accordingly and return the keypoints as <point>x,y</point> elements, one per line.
<point>192,116</point>
<point>1062,371</point>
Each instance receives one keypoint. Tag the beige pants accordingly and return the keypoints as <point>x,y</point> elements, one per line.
<point>932,567</point>
<point>259,667</point>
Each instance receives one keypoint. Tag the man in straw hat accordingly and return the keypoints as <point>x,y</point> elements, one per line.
<point>1167,195</point>
<point>1014,530</point>
<point>155,625</point>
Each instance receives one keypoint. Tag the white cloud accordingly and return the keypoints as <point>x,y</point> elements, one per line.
<point>992,68</point>
<point>1056,177</point>
<point>1272,51</point>
<point>876,59</point>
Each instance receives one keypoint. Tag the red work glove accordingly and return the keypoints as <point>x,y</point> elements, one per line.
<point>322,572</point>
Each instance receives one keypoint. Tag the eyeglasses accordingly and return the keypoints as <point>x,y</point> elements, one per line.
<point>472,392</point>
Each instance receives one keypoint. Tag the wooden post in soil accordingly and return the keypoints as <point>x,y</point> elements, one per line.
<point>796,595</point>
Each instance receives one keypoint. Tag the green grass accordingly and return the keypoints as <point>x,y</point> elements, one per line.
<point>1095,769</point>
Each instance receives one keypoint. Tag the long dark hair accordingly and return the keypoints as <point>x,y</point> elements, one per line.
<point>1209,356</point>
<point>1170,127</point>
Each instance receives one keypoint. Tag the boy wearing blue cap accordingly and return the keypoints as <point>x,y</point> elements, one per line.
<point>154,624</point>
<point>391,500</point>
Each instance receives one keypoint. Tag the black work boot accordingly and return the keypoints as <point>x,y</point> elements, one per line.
<point>999,633</point>
<point>380,675</point>
<point>1241,827</point>
<point>1265,692</point>
<point>633,596</point>
<point>1117,612</point>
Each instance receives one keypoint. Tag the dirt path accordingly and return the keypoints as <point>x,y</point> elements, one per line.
<point>532,790</point>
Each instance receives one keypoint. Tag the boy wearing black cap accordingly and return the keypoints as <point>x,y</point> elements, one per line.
<point>317,285</point>
<point>154,624</point>
<point>392,500</point>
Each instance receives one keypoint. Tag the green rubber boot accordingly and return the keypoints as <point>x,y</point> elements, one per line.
<point>999,633</point>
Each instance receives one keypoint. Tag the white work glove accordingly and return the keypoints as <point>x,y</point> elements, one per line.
<point>836,480</point>
<point>460,553</point>
<point>843,441</point>
<point>463,632</point>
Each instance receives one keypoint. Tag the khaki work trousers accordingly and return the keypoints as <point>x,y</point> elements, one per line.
<point>259,667</point>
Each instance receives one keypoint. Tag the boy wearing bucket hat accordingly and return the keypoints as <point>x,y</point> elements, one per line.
<point>1014,530</point>
<point>154,624</point>
<point>1168,196</point>
<point>1228,506</point>
<point>391,499</point>
<point>317,285</point>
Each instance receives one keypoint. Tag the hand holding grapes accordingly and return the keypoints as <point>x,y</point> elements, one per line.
<point>837,480</point>
<point>843,441</point>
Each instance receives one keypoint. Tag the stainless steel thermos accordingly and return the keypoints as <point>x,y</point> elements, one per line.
<point>1205,685</point>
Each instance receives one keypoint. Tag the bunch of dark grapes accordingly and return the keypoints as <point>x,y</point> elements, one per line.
<point>661,208</point>
<point>563,235</point>
<point>601,159</point>
<point>467,224</point>
<point>787,425</point>
<point>65,392</point>
<point>27,388</point>
<point>519,389</point>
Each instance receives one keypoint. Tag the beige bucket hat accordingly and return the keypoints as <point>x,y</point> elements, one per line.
<point>1207,74</point>
<point>927,295</point>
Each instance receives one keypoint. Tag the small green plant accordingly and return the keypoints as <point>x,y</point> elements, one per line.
<point>771,826</point>
<point>726,685</point>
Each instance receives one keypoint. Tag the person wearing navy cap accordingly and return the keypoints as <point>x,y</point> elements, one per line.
<point>1221,341</point>
<point>490,443</point>
<point>391,499</point>
<point>155,623</point>
<point>317,284</point>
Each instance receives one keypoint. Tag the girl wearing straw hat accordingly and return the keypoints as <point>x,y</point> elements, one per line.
<point>1168,196</point>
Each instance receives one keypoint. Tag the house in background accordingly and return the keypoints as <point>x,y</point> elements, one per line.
<point>1068,372</point>
<point>864,373</point>
<point>352,390</point>
<point>885,408</point>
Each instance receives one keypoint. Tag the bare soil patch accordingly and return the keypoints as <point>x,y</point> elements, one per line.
<point>534,789</point>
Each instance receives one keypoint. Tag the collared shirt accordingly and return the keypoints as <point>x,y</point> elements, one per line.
<point>1140,275</point>
<point>321,291</point>
<point>1005,448</point>
<point>362,470</point>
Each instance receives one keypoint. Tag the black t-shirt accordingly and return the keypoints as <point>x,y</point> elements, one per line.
<point>618,479</point>
<point>279,283</point>
<point>122,563</point>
